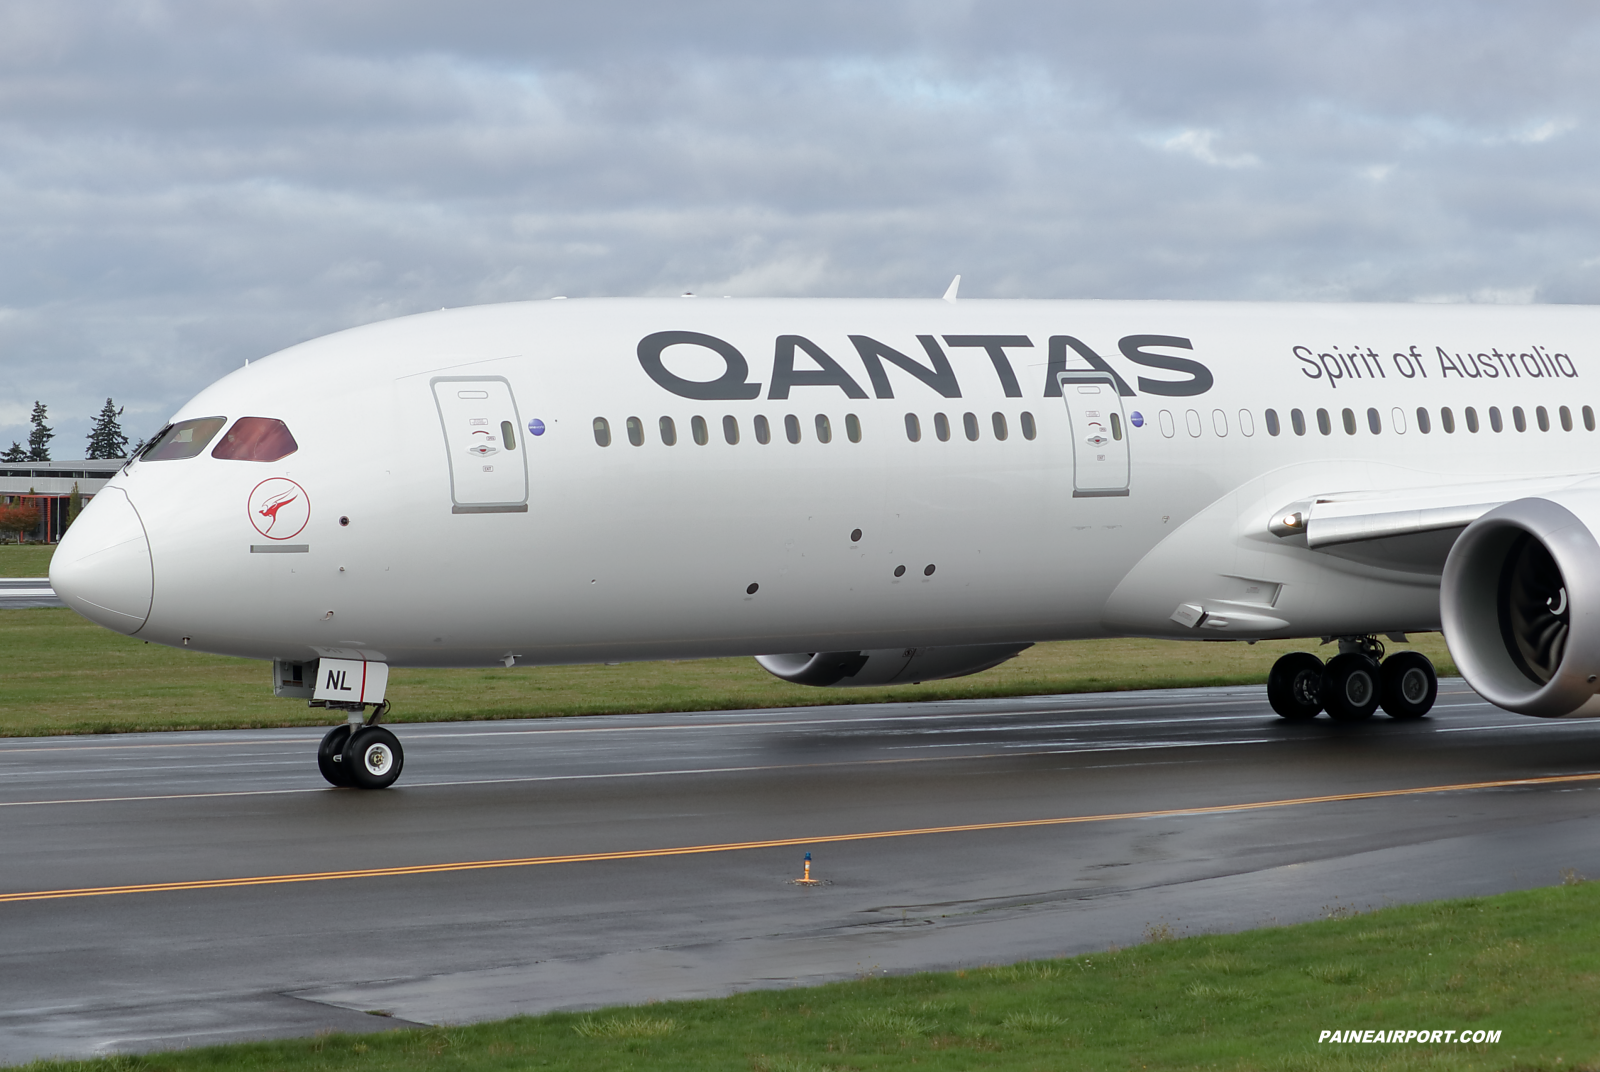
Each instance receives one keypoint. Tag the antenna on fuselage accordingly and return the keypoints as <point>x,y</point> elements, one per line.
<point>950,294</point>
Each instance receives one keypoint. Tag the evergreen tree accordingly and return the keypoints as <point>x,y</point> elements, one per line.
<point>105,434</point>
<point>15,454</point>
<point>74,506</point>
<point>39,439</point>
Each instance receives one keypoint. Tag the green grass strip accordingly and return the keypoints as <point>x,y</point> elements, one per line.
<point>1523,964</point>
<point>64,674</point>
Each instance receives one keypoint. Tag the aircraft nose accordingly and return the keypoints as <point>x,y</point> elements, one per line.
<point>102,566</point>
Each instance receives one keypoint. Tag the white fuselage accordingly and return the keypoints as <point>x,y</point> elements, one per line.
<point>552,548</point>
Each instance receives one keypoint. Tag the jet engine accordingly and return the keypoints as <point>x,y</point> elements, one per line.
<point>887,666</point>
<point>1520,604</point>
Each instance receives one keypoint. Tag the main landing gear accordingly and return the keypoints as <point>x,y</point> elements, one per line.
<point>1353,684</point>
<point>361,754</point>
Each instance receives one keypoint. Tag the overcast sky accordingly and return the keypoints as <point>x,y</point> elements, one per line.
<point>186,185</point>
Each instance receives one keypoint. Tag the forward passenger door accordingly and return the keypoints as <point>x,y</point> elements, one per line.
<point>483,443</point>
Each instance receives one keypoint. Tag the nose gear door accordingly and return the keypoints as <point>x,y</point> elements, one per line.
<point>483,443</point>
<point>1099,433</point>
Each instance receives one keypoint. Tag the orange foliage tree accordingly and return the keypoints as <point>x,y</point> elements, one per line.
<point>19,517</point>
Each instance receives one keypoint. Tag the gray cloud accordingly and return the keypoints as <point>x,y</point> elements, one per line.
<point>187,185</point>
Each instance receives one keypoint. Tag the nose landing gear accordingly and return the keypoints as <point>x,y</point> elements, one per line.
<point>361,754</point>
<point>1353,684</point>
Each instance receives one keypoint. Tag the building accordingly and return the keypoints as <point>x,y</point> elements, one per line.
<point>49,484</point>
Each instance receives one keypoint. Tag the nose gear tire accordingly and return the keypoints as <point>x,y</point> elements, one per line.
<point>1408,685</point>
<point>330,756</point>
<point>1350,687</point>
<point>372,758</point>
<point>1294,686</point>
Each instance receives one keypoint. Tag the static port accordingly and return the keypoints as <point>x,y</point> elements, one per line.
<point>344,521</point>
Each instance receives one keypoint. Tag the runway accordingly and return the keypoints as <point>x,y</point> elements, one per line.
<point>161,890</point>
<point>26,593</point>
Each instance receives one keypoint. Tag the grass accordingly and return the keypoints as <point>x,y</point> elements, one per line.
<point>25,560</point>
<point>66,675</point>
<point>1525,964</point>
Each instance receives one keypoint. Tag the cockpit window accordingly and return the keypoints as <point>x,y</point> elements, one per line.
<point>183,440</point>
<point>256,439</point>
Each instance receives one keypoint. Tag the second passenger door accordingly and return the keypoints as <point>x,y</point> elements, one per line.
<point>1099,433</point>
<point>483,442</point>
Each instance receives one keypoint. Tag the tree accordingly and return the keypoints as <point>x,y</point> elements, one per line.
<point>39,439</point>
<point>15,454</point>
<point>105,434</point>
<point>74,507</point>
<point>20,517</point>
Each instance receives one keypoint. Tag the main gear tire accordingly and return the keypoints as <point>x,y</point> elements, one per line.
<point>1408,684</point>
<point>1350,690</point>
<point>1294,686</point>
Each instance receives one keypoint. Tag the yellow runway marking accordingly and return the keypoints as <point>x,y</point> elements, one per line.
<point>775,843</point>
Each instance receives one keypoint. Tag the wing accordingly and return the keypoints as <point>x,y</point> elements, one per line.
<point>1411,529</point>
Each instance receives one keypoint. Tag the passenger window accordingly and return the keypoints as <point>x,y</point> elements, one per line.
<point>941,427</point>
<point>263,439</point>
<point>1116,426</point>
<point>1423,424</point>
<point>913,428</point>
<point>999,422</point>
<point>1397,420</point>
<point>1447,420</point>
<point>852,427</point>
<point>1247,424</point>
<point>824,429</point>
<point>1494,419</point>
<point>1298,419</point>
<point>1588,418</point>
<point>763,430</point>
<point>602,432</point>
<point>1166,424</point>
<point>1349,419</point>
<point>730,430</point>
<point>1374,425</point>
<point>1566,419</point>
<point>1542,415</point>
<point>508,434</point>
<point>669,431</point>
<point>1519,419</point>
<point>697,428</point>
<point>636,431</point>
<point>1192,419</point>
<point>1219,422</point>
<point>1324,424</point>
<point>1029,430</point>
<point>1472,419</point>
<point>184,439</point>
<point>969,424</point>
<point>791,428</point>
<point>1272,422</point>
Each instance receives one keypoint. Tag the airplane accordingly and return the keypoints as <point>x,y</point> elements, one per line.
<point>861,492</point>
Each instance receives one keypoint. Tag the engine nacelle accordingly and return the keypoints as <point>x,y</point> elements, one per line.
<point>1520,604</point>
<point>887,666</point>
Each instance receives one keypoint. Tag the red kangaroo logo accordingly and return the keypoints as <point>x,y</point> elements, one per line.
<point>270,508</point>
